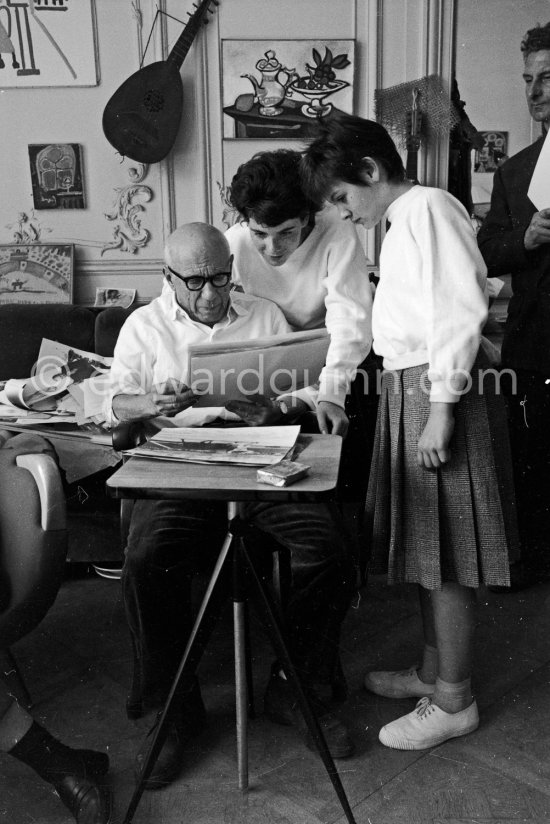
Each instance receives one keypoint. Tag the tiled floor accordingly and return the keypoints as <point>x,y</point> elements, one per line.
<point>77,667</point>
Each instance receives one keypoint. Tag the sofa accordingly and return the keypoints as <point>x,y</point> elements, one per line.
<point>93,518</point>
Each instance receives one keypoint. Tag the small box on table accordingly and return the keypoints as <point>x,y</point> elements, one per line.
<point>282,474</point>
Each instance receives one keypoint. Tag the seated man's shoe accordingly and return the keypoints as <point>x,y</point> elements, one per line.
<point>190,723</point>
<point>399,684</point>
<point>427,726</point>
<point>282,707</point>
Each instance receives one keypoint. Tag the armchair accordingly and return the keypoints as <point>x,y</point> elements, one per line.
<point>33,543</point>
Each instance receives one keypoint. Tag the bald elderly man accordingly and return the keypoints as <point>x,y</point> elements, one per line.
<point>170,541</point>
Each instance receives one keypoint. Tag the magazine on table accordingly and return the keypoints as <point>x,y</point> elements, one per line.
<point>252,446</point>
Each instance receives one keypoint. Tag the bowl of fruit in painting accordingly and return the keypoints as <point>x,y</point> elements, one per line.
<point>319,83</point>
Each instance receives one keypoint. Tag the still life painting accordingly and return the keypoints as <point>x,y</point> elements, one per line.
<point>279,88</point>
<point>37,273</point>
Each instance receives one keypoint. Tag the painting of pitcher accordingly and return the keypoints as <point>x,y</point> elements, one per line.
<point>279,88</point>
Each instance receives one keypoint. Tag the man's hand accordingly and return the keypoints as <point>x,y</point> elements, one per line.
<point>433,445</point>
<point>332,419</point>
<point>258,411</point>
<point>262,411</point>
<point>153,404</point>
<point>538,231</point>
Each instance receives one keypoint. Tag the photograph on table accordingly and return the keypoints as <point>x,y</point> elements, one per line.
<point>36,273</point>
<point>279,88</point>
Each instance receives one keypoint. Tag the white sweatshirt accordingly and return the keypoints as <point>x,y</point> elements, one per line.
<point>430,304</point>
<point>324,282</point>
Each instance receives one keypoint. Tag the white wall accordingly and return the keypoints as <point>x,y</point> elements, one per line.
<point>74,115</point>
<point>395,41</point>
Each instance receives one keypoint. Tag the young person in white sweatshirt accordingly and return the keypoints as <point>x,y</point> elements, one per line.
<point>440,489</point>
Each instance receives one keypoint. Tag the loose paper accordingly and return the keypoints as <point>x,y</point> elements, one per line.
<point>539,188</point>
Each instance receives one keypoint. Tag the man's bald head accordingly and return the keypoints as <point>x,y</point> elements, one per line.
<point>197,248</point>
<point>200,250</point>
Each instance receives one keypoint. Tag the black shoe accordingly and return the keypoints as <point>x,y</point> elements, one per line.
<point>281,706</point>
<point>169,763</point>
<point>87,801</point>
<point>80,792</point>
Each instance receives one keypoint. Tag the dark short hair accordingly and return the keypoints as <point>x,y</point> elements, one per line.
<point>267,188</point>
<point>338,150</point>
<point>536,39</point>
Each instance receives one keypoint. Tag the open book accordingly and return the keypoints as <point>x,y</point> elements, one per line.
<point>267,366</point>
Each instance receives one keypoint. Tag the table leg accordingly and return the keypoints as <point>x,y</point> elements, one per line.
<point>207,618</point>
<point>273,626</point>
<point>241,692</point>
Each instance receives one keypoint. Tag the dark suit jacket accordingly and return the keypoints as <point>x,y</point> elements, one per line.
<point>527,335</point>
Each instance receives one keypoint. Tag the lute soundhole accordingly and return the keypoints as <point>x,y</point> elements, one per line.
<point>153,100</point>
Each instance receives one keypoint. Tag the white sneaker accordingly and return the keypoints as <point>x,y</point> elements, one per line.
<point>401,684</point>
<point>427,726</point>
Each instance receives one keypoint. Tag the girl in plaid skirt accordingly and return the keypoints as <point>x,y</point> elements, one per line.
<point>440,499</point>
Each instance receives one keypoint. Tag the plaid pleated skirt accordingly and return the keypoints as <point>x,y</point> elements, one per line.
<point>457,523</point>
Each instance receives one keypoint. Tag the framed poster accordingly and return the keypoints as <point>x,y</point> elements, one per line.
<point>56,175</point>
<point>279,88</point>
<point>37,273</point>
<point>494,151</point>
<point>47,43</point>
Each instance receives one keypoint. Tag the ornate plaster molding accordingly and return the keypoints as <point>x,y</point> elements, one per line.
<point>27,228</point>
<point>128,234</point>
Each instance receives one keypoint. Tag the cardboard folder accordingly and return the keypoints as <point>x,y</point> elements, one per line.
<point>267,366</point>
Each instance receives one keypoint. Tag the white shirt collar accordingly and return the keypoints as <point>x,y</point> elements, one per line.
<point>175,311</point>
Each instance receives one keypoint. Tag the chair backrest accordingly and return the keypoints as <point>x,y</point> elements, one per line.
<point>33,535</point>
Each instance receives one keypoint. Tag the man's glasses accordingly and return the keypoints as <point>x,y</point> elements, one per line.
<point>197,282</point>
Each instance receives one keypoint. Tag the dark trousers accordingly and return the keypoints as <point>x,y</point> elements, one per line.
<point>529,425</point>
<point>171,541</point>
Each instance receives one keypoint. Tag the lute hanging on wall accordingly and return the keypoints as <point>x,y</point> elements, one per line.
<point>142,118</point>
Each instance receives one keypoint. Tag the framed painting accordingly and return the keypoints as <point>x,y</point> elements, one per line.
<point>56,175</point>
<point>47,43</point>
<point>279,88</point>
<point>37,273</point>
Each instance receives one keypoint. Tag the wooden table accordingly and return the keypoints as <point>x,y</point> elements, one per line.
<point>147,478</point>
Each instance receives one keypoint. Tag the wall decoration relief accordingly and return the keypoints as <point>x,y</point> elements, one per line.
<point>47,43</point>
<point>36,273</point>
<point>279,88</point>
<point>128,234</point>
<point>56,175</point>
<point>27,228</point>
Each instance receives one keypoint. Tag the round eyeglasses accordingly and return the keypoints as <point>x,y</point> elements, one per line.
<point>197,282</point>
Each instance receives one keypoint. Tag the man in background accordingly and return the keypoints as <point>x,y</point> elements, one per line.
<point>515,238</point>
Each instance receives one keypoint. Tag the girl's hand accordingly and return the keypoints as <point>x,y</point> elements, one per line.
<point>332,419</point>
<point>433,445</point>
